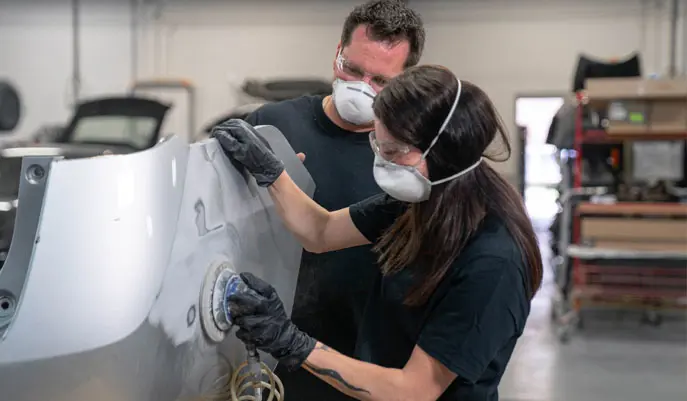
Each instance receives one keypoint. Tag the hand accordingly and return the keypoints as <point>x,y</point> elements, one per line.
<point>262,321</point>
<point>243,144</point>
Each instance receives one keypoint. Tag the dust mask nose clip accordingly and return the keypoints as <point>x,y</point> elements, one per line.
<point>406,183</point>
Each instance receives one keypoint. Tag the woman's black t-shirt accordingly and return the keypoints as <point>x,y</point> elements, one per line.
<point>470,323</point>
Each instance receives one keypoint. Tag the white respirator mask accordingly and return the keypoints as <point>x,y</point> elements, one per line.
<point>353,99</point>
<point>406,183</point>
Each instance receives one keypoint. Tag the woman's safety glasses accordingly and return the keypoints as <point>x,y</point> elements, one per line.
<point>388,150</point>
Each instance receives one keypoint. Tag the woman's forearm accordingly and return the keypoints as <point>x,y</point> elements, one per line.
<point>360,380</point>
<point>302,216</point>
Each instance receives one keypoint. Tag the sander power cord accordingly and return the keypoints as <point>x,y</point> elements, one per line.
<point>253,376</point>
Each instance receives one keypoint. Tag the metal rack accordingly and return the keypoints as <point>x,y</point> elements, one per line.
<point>591,277</point>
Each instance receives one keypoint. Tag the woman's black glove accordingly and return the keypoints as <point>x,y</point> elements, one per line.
<point>243,144</point>
<point>262,321</point>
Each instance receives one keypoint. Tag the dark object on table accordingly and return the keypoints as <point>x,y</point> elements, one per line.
<point>10,107</point>
<point>589,68</point>
<point>284,89</point>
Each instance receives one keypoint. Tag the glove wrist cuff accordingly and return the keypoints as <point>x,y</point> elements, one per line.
<point>300,349</point>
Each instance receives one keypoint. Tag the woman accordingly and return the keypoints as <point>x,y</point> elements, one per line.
<point>459,261</point>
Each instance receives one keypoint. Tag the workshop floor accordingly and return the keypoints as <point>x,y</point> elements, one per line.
<point>613,358</point>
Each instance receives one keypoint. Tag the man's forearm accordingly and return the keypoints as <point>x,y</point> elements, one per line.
<point>301,215</point>
<point>360,380</point>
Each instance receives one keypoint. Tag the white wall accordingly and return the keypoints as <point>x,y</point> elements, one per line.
<point>506,47</point>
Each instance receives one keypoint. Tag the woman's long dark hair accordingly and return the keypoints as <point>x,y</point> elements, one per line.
<point>433,233</point>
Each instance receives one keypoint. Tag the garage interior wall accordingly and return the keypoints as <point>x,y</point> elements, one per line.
<point>509,48</point>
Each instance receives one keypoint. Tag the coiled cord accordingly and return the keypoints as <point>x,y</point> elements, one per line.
<point>243,384</point>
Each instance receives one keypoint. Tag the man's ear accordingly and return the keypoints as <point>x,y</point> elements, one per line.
<point>338,49</point>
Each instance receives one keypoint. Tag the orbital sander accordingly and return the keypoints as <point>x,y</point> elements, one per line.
<point>252,376</point>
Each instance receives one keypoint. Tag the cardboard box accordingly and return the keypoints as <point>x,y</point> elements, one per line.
<point>641,106</point>
<point>635,228</point>
<point>614,88</point>
<point>668,116</point>
<point>666,88</point>
<point>635,88</point>
<point>641,234</point>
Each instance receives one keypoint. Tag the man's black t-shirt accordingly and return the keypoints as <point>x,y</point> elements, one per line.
<point>470,323</point>
<point>332,287</point>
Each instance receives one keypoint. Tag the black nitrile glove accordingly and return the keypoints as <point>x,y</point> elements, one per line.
<point>242,143</point>
<point>262,321</point>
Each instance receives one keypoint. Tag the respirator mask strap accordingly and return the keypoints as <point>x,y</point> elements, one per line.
<point>436,138</point>
<point>456,175</point>
<point>446,121</point>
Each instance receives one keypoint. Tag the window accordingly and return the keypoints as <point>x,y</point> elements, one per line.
<point>136,132</point>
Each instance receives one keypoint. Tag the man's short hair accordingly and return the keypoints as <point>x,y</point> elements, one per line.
<point>389,21</point>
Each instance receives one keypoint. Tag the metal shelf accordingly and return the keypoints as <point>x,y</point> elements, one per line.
<point>633,208</point>
<point>589,252</point>
<point>592,276</point>
<point>618,135</point>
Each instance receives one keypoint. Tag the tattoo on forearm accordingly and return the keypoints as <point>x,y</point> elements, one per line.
<point>334,375</point>
<point>323,347</point>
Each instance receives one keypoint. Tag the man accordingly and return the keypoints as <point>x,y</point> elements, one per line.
<point>379,40</point>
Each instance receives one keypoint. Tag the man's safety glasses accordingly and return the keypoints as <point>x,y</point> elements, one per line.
<point>351,72</point>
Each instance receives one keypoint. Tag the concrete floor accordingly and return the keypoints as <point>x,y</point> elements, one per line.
<point>614,357</point>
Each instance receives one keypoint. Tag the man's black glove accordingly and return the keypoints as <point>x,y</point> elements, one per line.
<point>242,143</point>
<point>262,321</point>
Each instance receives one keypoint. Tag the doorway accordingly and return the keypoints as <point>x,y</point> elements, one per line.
<point>540,167</point>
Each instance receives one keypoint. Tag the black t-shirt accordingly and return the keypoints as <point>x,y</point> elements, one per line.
<point>332,287</point>
<point>470,323</point>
